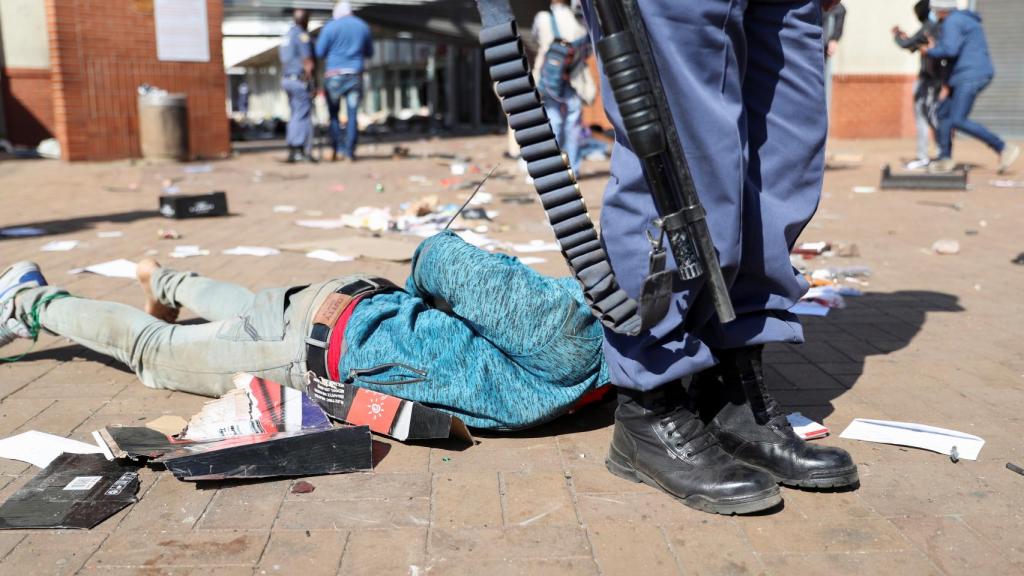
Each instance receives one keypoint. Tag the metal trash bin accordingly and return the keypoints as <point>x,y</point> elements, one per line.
<point>163,126</point>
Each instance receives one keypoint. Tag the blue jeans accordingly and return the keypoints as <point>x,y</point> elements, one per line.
<point>300,124</point>
<point>565,122</point>
<point>953,113</point>
<point>745,82</point>
<point>350,88</point>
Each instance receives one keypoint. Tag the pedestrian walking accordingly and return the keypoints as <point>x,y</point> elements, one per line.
<point>962,40</point>
<point>570,86</point>
<point>928,85</point>
<point>344,45</point>
<point>297,80</point>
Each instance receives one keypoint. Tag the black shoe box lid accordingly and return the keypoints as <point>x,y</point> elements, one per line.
<point>179,206</point>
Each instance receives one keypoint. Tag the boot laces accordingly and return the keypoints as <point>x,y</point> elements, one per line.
<point>684,429</point>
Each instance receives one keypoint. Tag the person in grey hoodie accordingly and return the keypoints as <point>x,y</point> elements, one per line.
<point>962,40</point>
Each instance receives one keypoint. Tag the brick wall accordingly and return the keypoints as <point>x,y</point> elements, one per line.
<point>100,51</point>
<point>28,105</point>
<point>872,106</point>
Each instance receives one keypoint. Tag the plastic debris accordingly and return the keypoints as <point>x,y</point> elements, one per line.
<point>865,189</point>
<point>285,209</point>
<point>22,232</point>
<point>60,246</point>
<point>188,251</point>
<point>49,148</point>
<point>805,427</point>
<point>945,246</point>
<point>328,256</point>
<point>110,234</point>
<point>258,251</point>
<point>168,234</point>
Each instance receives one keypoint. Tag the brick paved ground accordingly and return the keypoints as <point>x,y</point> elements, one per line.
<point>935,340</point>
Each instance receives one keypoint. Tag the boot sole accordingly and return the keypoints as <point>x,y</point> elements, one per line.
<point>844,479</point>
<point>755,503</point>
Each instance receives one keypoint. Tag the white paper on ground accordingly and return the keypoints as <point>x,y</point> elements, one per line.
<point>110,234</point>
<point>119,268</point>
<point>329,256</point>
<point>809,309</point>
<point>188,251</point>
<point>805,427</point>
<point>321,224</point>
<point>40,448</point>
<point>251,251</point>
<point>532,260</point>
<point>60,246</point>
<point>536,246</point>
<point>932,438</point>
<point>285,209</point>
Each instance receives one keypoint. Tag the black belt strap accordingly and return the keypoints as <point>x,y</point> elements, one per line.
<point>556,184</point>
<point>320,334</point>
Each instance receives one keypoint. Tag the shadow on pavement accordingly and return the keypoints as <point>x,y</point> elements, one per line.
<point>68,225</point>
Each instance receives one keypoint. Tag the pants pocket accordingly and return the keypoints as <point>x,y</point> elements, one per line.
<point>263,321</point>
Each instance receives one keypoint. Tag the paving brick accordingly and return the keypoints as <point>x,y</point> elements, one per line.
<point>160,549</point>
<point>537,498</point>
<point>170,506</point>
<point>466,499</point>
<point>909,563</point>
<point>305,552</point>
<point>56,552</point>
<point>357,486</point>
<point>712,548</point>
<point>353,514</point>
<point>390,551</point>
<point>955,548</point>
<point>242,505</point>
<point>531,542</point>
<point>631,549</point>
<point>517,567</point>
<point>796,535</point>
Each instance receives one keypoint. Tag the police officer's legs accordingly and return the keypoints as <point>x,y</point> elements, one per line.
<point>786,127</point>
<point>657,438</point>
<point>300,124</point>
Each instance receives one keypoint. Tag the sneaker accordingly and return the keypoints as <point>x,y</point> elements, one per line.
<point>942,166</point>
<point>918,164</point>
<point>18,277</point>
<point>1008,156</point>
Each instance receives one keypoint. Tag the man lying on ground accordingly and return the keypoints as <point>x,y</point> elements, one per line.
<point>478,334</point>
<point>474,333</point>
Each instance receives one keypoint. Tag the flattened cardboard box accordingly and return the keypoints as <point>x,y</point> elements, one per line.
<point>384,414</point>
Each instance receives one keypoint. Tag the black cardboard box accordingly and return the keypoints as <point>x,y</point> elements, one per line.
<point>193,206</point>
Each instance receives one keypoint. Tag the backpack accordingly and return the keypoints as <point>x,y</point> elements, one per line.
<point>560,62</point>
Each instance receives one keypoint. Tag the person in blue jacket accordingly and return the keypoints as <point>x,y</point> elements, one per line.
<point>962,40</point>
<point>344,44</point>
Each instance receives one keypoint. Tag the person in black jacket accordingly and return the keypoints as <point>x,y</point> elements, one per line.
<point>929,80</point>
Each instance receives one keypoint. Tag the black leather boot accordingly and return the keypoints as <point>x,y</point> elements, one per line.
<point>659,441</point>
<point>733,401</point>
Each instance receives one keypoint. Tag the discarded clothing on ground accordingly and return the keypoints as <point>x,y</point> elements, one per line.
<point>74,491</point>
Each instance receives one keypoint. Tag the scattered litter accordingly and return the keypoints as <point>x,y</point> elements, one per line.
<point>49,148</point>
<point>328,256</point>
<point>133,187</point>
<point>258,430</point>
<point>379,188</point>
<point>948,247</point>
<point>846,250</point>
<point>971,232</point>
<point>419,179</point>
<point>39,448</point>
<point>194,206</point>
<point>392,249</point>
<point>527,260</point>
<point>321,224</point>
<point>983,223</point>
<point>1019,260</point>
<point>302,487</point>
<point>285,209</point>
<point>841,273</point>
<point>384,414</point>
<point>481,197</point>
<point>865,189</point>
<point>1007,183</point>
<point>260,176</point>
<point>805,427</point>
<point>458,169</point>
<point>811,248</point>
<point>188,251</point>
<point>536,246</point>
<point>60,246</point>
<point>809,309</point>
<point>168,234</point>
<point>314,213</point>
<point>22,231</point>
<point>445,459</point>
<point>338,188</point>
<point>119,268</point>
<point>198,169</point>
<point>259,251</point>
<point>518,199</point>
<point>110,234</point>
<point>74,491</point>
<point>477,214</point>
<point>1014,468</point>
<point>939,440</point>
<point>828,296</point>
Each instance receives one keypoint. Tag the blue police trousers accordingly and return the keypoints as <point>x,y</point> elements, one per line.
<point>745,84</point>
<point>299,133</point>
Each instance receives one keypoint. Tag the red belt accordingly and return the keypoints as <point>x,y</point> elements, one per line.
<point>325,343</point>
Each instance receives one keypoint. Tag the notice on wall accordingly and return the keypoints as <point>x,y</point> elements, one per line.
<point>181,31</point>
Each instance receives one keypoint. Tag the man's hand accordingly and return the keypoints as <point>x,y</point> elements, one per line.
<point>831,48</point>
<point>897,31</point>
<point>829,4</point>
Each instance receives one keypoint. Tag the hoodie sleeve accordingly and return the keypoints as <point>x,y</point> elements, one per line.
<point>951,40</point>
<point>322,41</point>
